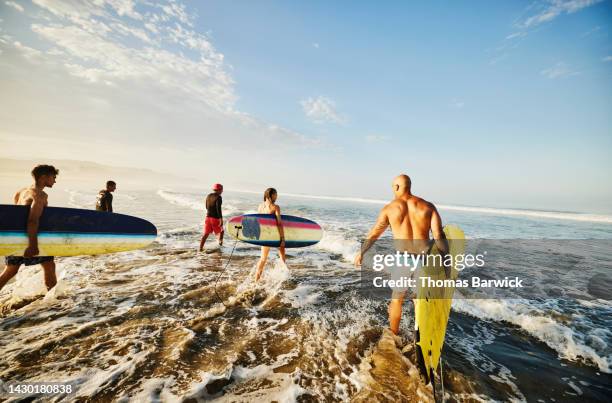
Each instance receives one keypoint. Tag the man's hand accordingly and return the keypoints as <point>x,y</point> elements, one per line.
<point>31,251</point>
<point>382,222</point>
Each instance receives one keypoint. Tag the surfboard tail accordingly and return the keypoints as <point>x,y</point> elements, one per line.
<point>420,359</point>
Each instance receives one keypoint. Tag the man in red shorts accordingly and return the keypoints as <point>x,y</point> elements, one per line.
<point>214,217</point>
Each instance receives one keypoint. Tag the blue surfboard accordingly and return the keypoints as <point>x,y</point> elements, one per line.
<point>73,232</point>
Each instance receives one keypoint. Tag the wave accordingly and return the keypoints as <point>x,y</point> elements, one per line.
<point>82,200</point>
<point>557,215</point>
<point>78,199</point>
<point>336,198</point>
<point>194,202</point>
<point>180,200</point>
<point>336,243</point>
<point>568,343</point>
<point>606,219</point>
<point>125,195</point>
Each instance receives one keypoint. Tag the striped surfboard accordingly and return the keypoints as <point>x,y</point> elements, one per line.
<point>73,232</point>
<point>261,229</point>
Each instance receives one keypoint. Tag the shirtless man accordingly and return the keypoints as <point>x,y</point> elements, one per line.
<point>35,197</point>
<point>411,219</point>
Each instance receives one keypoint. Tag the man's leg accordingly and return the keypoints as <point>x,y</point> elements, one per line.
<point>202,241</point>
<point>218,227</point>
<point>221,237</point>
<point>50,279</point>
<point>9,272</point>
<point>395,314</point>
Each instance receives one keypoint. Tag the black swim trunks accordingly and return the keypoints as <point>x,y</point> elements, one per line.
<point>28,261</point>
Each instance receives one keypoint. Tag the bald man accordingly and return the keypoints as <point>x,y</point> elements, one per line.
<point>411,219</point>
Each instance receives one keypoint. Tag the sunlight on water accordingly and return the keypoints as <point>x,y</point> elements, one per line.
<point>168,323</point>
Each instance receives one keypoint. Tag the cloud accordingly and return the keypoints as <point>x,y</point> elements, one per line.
<point>559,70</point>
<point>135,75</point>
<point>498,59</point>
<point>518,34</point>
<point>315,45</point>
<point>113,43</point>
<point>607,59</point>
<point>29,53</point>
<point>539,13</point>
<point>593,30</point>
<point>376,138</point>
<point>551,9</point>
<point>178,11</point>
<point>321,110</point>
<point>16,6</point>
<point>94,40</point>
<point>457,104</point>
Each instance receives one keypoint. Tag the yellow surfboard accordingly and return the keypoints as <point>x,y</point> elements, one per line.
<point>432,305</point>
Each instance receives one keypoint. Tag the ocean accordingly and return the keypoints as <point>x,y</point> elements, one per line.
<point>169,324</point>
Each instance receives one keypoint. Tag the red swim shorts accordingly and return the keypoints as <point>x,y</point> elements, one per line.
<point>212,225</point>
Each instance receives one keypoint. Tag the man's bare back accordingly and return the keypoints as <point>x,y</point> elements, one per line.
<point>411,219</point>
<point>26,196</point>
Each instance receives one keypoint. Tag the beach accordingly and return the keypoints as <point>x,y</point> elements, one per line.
<point>169,324</point>
<point>381,135</point>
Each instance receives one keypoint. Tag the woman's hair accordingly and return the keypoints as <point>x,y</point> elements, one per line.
<point>268,193</point>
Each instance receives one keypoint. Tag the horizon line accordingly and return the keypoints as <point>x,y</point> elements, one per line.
<point>551,214</point>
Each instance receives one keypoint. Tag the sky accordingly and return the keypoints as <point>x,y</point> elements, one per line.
<point>503,104</point>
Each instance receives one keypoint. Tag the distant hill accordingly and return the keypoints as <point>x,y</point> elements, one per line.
<point>86,172</point>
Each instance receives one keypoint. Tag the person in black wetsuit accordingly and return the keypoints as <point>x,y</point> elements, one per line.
<point>214,217</point>
<point>104,201</point>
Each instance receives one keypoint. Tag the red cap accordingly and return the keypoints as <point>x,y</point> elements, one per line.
<point>217,186</point>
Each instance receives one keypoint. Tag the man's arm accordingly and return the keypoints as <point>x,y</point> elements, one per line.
<point>36,209</point>
<point>16,197</point>
<point>102,201</point>
<point>218,204</point>
<point>377,230</point>
<point>206,203</point>
<point>109,203</point>
<point>438,233</point>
